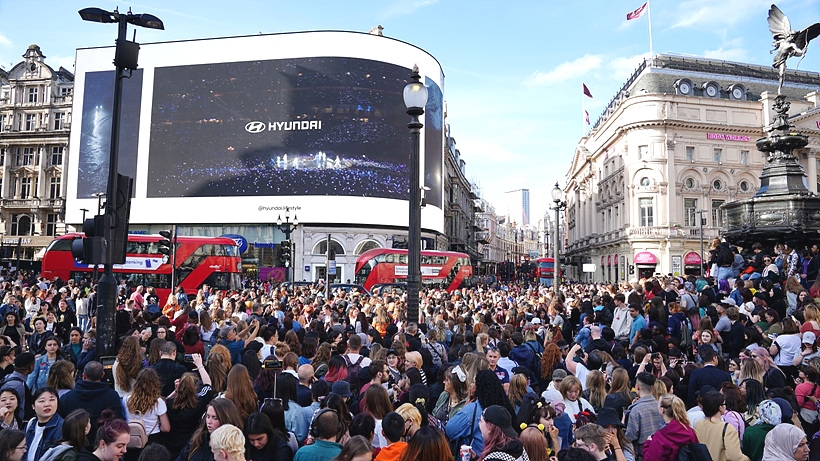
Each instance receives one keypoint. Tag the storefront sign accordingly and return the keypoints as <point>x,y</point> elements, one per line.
<point>692,259</point>
<point>728,137</point>
<point>645,257</point>
<point>676,265</point>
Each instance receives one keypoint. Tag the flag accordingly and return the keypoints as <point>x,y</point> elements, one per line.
<point>586,116</point>
<point>637,13</point>
<point>586,90</point>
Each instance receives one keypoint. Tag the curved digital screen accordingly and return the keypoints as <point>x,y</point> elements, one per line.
<point>247,126</point>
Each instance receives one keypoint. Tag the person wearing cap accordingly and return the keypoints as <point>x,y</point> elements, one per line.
<point>552,393</point>
<point>228,335</point>
<point>23,366</point>
<point>502,440</point>
<point>808,352</point>
<point>644,418</point>
<point>665,444</point>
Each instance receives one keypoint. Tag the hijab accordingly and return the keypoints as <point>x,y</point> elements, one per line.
<point>781,442</point>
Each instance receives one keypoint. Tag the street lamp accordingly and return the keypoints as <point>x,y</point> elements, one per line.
<point>560,204</point>
<point>415,98</point>
<point>287,226</point>
<point>701,222</point>
<point>116,224</point>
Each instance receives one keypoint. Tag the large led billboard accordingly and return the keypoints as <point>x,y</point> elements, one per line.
<point>233,130</point>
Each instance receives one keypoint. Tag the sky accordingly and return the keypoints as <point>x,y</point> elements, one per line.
<point>513,69</point>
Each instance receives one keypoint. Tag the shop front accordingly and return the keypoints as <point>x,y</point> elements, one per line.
<point>645,264</point>
<point>692,264</point>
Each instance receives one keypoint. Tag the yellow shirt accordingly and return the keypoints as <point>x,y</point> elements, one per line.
<point>722,447</point>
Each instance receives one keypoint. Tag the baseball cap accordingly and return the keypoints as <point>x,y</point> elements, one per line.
<point>559,374</point>
<point>536,321</point>
<point>809,337</point>
<point>223,332</point>
<point>498,415</point>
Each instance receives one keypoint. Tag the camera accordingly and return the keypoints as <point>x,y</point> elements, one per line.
<point>272,364</point>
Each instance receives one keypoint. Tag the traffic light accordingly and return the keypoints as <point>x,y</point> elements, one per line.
<point>92,248</point>
<point>284,252</point>
<point>631,269</point>
<point>165,244</point>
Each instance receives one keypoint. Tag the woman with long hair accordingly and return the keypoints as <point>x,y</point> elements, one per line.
<point>750,369</point>
<point>773,377</point>
<point>357,448</point>
<point>12,445</point>
<point>217,365</point>
<point>665,444</point>
<point>595,392</point>
<point>619,396</point>
<point>336,369</point>
<point>191,340</point>
<point>428,444</point>
<point>147,405</point>
<point>615,435</point>
<point>377,403</point>
<point>263,441</point>
<point>155,351</point>
<point>9,416</point>
<point>454,397</point>
<point>38,378</point>
<point>61,376</point>
<point>127,366</point>
<point>337,403</point>
<point>486,390</point>
<point>518,387</point>
<point>573,401</point>
<point>735,407</point>
<point>753,395</point>
<point>218,413</point>
<point>500,439</point>
<point>535,444</point>
<point>550,359</point>
<point>239,390</point>
<point>320,360</point>
<point>186,406</point>
<point>75,431</point>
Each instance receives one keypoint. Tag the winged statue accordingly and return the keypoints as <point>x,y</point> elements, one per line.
<point>787,42</point>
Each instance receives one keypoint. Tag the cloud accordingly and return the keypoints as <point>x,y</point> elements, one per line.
<point>4,41</point>
<point>404,7</point>
<point>566,70</point>
<point>706,14</point>
<point>62,61</point>
<point>623,67</point>
<point>727,54</point>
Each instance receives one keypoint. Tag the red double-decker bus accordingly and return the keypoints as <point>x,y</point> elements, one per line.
<point>212,261</point>
<point>545,271</point>
<point>443,269</point>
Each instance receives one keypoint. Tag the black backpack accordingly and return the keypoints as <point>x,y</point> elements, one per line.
<point>694,452</point>
<point>353,372</point>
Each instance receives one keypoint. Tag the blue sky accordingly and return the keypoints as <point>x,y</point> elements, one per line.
<point>513,69</point>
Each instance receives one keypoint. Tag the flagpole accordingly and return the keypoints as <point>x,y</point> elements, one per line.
<point>583,113</point>
<point>649,21</point>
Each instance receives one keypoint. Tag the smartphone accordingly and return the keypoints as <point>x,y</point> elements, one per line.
<point>189,358</point>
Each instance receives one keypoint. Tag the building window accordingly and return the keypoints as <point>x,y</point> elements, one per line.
<point>51,224</point>
<point>643,152</point>
<point>54,187</point>
<point>25,187</point>
<point>454,193</point>
<point>2,122</point>
<point>27,158</point>
<point>690,183</point>
<point>32,95</point>
<point>718,155</point>
<point>690,207</point>
<point>30,122</point>
<point>744,186</point>
<point>645,182</point>
<point>57,155</point>
<point>2,156</point>
<point>59,120</point>
<point>717,184</point>
<point>64,91</point>
<point>647,212</point>
<point>744,157</point>
<point>20,224</point>
<point>717,213</point>
<point>690,154</point>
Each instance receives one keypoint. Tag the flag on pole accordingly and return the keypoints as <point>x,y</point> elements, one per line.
<point>637,13</point>
<point>586,90</point>
<point>586,116</point>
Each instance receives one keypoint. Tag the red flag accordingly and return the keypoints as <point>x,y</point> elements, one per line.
<point>586,116</point>
<point>586,90</point>
<point>637,13</point>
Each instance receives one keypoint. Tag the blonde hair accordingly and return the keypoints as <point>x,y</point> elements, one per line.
<point>674,408</point>
<point>481,341</point>
<point>229,438</point>
<point>408,411</point>
<point>568,383</point>
<point>659,390</point>
<point>414,357</point>
<point>750,369</point>
<point>811,312</point>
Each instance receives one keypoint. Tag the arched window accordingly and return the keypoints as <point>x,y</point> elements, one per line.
<point>321,248</point>
<point>366,245</point>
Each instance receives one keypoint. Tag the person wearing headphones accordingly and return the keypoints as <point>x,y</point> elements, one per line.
<point>324,429</point>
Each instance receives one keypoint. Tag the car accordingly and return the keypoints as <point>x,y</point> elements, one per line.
<point>348,287</point>
<point>381,289</point>
<point>290,285</point>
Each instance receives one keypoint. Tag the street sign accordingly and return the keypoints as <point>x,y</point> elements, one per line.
<point>331,268</point>
<point>589,268</point>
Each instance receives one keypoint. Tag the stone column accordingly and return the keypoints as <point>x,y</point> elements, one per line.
<point>811,169</point>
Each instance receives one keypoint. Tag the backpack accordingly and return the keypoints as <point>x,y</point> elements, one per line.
<point>136,426</point>
<point>694,452</point>
<point>685,334</point>
<point>353,371</point>
<point>536,363</point>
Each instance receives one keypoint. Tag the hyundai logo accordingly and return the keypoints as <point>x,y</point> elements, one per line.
<point>256,127</point>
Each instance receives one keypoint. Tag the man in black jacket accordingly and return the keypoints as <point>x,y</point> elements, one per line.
<point>710,374</point>
<point>93,396</point>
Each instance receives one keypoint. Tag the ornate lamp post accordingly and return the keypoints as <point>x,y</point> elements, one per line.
<point>415,98</point>
<point>560,204</point>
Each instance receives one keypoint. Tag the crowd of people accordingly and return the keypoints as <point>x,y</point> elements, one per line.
<point>657,369</point>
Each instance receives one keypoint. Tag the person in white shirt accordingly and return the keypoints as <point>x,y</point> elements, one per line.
<point>271,337</point>
<point>553,393</point>
<point>354,345</point>
<point>621,320</point>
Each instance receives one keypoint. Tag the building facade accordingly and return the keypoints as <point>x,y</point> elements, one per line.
<point>646,185</point>
<point>460,207</point>
<point>35,118</point>
<point>518,206</point>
